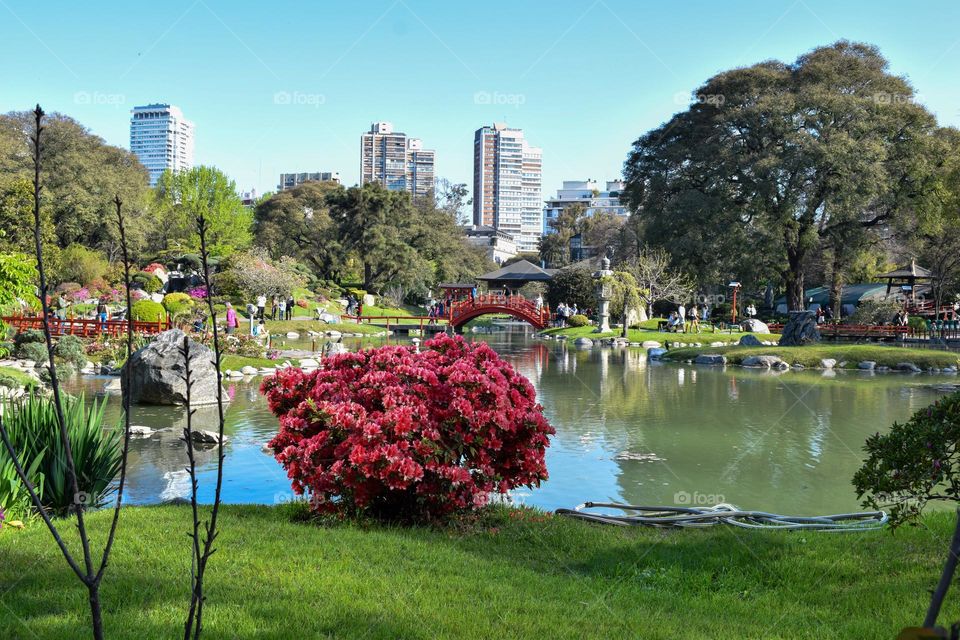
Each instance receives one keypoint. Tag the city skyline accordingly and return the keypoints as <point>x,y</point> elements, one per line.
<point>298,104</point>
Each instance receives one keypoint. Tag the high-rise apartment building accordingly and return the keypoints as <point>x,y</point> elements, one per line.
<point>507,184</point>
<point>396,161</point>
<point>291,180</point>
<point>587,193</point>
<point>162,138</point>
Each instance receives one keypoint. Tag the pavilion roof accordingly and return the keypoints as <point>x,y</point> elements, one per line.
<point>520,271</point>
<point>908,271</point>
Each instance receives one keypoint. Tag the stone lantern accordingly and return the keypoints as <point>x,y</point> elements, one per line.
<point>604,291</point>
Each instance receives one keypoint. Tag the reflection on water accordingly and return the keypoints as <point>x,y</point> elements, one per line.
<point>627,430</point>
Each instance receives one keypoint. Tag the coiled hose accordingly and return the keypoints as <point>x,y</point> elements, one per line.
<point>698,517</point>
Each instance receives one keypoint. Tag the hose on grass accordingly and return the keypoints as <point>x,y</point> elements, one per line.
<point>700,517</point>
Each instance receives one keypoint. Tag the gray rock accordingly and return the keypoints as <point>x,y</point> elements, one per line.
<point>651,344</point>
<point>655,353</point>
<point>797,365</point>
<point>867,365</point>
<point>156,372</point>
<point>908,366</point>
<point>801,329</point>
<point>761,361</point>
<point>249,371</point>
<point>113,386</point>
<point>141,432</point>
<point>828,363</point>
<point>754,326</point>
<point>200,436</point>
<point>293,335</point>
<point>750,341</point>
<point>583,342</point>
<point>710,358</point>
<point>718,344</point>
<point>781,366</point>
<point>949,369</point>
<point>230,373</point>
<point>309,363</point>
<point>882,367</point>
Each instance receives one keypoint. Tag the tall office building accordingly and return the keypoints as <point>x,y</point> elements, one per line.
<point>162,138</point>
<point>396,161</point>
<point>507,184</point>
<point>291,180</point>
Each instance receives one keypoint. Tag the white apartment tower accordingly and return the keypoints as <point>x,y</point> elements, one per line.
<point>162,138</point>
<point>507,184</point>
<point>397,162</point>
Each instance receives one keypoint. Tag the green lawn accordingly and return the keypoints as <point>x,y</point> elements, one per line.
<point>640,335</point>
<point>810,356</point>
<point>279,327</point>
<point>510,574</point>
<point>19,377</point>
<point>235,363</point>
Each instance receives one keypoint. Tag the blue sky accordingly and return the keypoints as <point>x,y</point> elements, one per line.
<point>583,79</point>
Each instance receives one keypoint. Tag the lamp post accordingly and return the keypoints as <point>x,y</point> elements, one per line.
<point>604,293</point>
<point>733,308</point>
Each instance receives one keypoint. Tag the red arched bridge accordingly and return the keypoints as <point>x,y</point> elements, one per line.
<point>465,310</point>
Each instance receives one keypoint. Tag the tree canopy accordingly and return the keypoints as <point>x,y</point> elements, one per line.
<point>775,160</point>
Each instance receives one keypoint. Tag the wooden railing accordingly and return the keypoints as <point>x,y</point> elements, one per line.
<point>86,328</point>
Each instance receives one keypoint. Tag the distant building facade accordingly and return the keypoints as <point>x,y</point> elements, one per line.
<point>507,184</point>
<point>499,245</point>
<point>291,180</point>
<point>396,161</point>
<point>589,194</point>
<point>162,139</point>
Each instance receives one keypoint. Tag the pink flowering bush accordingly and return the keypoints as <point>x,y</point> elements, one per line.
<point>198,293</point>
<point>401,434</point>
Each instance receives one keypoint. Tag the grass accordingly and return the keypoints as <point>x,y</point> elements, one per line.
<point>507,574</point>
<point>810,356</point>
<point>278,327</point>
<point>19,377</point>
<point>232,362</point>
<point>641,335</point>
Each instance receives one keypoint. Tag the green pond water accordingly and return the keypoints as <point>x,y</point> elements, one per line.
<point>628,430</point>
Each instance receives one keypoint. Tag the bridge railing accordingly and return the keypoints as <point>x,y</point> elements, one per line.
<point>84,327</point>
<point>499,303</point>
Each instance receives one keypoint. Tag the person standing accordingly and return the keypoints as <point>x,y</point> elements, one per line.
<point>694,319</point>
<point>682,318</point>
<point>261,305</point>
<point>290,303</point>
<point>281,306</point>
<point>102,314</point>
<point>539,302</point>
<point>232,322</point>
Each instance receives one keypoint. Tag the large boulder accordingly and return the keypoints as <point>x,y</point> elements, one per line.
<point>156,372</point>
<point>750,341</point>
<point>800,330</point>
<point>754,326</point>
<point>710,358</point>
<point>770,362</point>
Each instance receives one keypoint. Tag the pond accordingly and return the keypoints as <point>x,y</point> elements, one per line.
<point>628,430</point>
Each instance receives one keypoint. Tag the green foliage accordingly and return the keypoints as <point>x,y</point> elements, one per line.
<point>179,198</point>
<point>573,285</point>
<point>15,502</point>
<point>81,264</point>
<point>578,320</point>
<point>17,274</point>
<point>71,350</point>
<point>147,281</point>
<point>178,304</point>
<point>777,162</point>
<point>28,336</point>
<point>148,311</point>
<point>248,274</point>
<point>916,462</point>
<point>35,432</point>
<point>64,371</point>
<point>81,175</point>
<point>36,351</point>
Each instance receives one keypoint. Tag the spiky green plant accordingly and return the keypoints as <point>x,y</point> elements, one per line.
<point>34,431</point>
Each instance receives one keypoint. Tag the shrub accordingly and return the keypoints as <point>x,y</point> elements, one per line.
<point>578,320</point>
<point>147,281</point>
<point>198,293</point>
<point>28,336</point>
<point>64,370</point>
<point>36,351</point>
<point>70,349</point>
<point>34,431</point>
<point>66,288</point>
<point>147,311</point>
<point>177,303</point>
<point>401,434</point>
<point>82,264</point>
<point>916,462</point>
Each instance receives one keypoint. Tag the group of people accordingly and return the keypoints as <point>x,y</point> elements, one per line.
<point>354,306</point>
<point>437,310</point>
<point>825,314</point>
<point>683,319</point>
<point>564,312</point>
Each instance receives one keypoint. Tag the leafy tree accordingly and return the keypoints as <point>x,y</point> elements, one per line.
<point>555,246</point>
<point>453,198</point>
<point>83,265</point>
<point>17,278</point>
<point>179,198</point>
<point>249,274</point>
<point>572,285</point>
<point>297,223</point>
<point>781,158</point>
<point>81,176</point>
<point>626,297</point>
